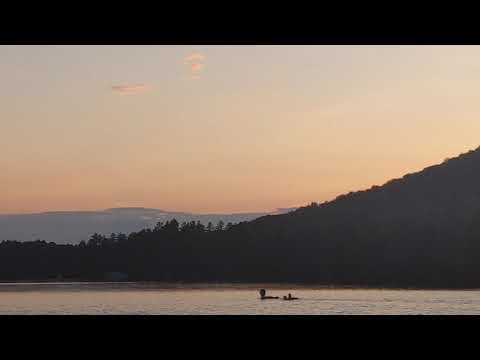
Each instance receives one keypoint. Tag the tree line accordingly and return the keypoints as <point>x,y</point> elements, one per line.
<point>422,230</point>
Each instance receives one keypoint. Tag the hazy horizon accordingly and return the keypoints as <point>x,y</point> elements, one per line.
<point>225,129</point>
<point>171,211</point>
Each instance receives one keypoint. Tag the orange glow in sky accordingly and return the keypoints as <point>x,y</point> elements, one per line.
<point>225,128</point>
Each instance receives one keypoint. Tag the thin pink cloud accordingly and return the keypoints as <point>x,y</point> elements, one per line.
<point>195,63</point>
<point>130,88</point>
<point>196,67</point>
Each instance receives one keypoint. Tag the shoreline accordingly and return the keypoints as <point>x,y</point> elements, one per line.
<point>231,285</point>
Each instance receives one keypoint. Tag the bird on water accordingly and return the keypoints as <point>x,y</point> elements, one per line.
<point>263,295</point>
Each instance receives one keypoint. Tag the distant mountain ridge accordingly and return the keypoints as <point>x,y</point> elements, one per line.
<point>422,231</point>
<point>73,226</point>
<point>447,185</point>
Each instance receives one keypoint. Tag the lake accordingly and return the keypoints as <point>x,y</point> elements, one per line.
<point>151,298</point>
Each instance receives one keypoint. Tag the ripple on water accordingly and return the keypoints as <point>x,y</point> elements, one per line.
<point>156,299</point>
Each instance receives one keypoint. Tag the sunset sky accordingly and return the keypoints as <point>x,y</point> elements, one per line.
<point>225,128</point>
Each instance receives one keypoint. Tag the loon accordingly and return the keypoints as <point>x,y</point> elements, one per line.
<point>263,296</point>
<point>290,297</point>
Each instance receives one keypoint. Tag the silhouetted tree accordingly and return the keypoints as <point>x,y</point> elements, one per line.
<point>158,226</point>
<point>209,226</point>
<point>219,226</point>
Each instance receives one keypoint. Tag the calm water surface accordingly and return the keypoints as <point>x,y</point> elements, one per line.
<point>136,298</point>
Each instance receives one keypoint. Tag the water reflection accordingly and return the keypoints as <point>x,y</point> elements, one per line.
<point>154,298</point>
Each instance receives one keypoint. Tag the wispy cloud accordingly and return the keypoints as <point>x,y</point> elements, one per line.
<point>196,67</point>
<point>130,88</point>
<point>196,63</point>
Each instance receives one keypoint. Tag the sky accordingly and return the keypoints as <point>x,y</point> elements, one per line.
<point>225,128</point>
